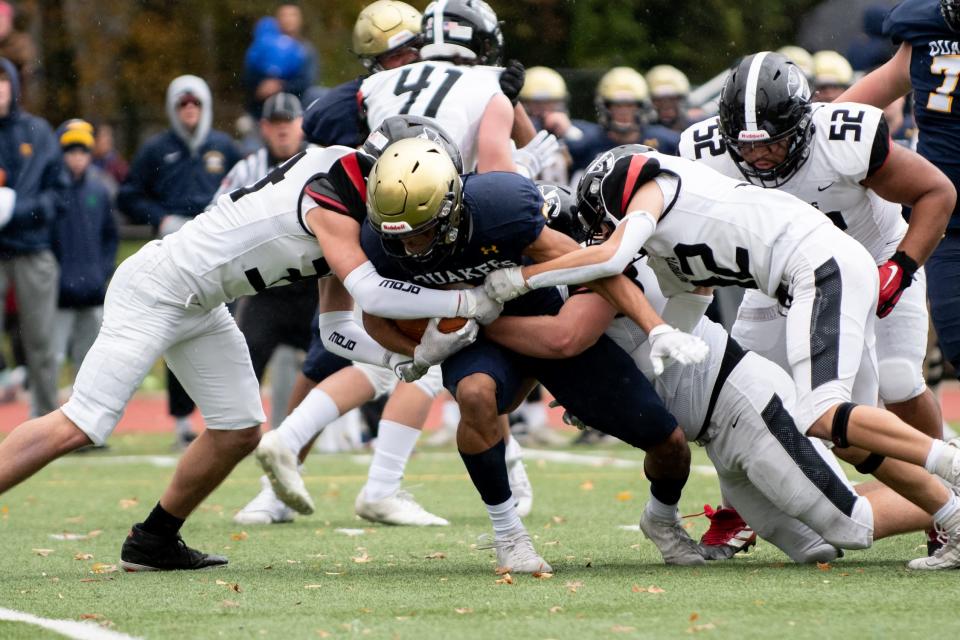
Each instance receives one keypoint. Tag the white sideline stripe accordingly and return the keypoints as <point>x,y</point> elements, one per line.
<point>163,462</point>
<point>68,628</point>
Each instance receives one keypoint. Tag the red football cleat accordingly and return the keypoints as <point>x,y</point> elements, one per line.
<point>728,534</point>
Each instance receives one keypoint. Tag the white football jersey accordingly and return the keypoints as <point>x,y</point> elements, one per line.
<point>254,237</point>
<point>454,96</point>
<point>716,231</point>
<point>685,390</point>
<point>839,159</point>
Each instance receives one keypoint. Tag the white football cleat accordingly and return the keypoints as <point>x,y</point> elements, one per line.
<point>265,508</point>
<point>280,464</point>
<point>520,487</point>
<point>947,556</point>
<point>515,553</point>
<point>675,544</point>
<point>399,509</point>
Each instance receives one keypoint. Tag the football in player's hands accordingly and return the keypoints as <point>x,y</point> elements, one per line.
<point>414,329</point>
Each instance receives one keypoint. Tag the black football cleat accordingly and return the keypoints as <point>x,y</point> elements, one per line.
<point>144,551</point>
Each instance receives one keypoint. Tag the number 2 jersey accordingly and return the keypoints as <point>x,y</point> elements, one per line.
<point>454,96</point>
<point>256,237</point>
<point>934,74</point>
<point>849,143</point>
<point>715,231</point>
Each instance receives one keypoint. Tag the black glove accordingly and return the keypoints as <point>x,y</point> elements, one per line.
<point>511,80</point>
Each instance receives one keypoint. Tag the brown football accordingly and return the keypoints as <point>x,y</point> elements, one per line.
<point>414,329</point>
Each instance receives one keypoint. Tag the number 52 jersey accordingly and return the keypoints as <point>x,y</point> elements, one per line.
<point>454,96</point>
<point>850,142</point>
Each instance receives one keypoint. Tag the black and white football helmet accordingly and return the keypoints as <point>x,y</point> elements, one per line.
<point>764,100</point>
<point>596,195</point>
<point>463,30</point>
<point>951,13</point>
<point>561,211</point>
<point>409,126</point>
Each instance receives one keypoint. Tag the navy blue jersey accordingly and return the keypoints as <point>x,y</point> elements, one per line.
<point>934,74</point>
<point>334,117</point>
<point>595,141</point>
<point>505,216</point>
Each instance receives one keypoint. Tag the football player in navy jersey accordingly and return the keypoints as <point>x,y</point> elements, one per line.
<point>428,225</point>
<point>928,62</point>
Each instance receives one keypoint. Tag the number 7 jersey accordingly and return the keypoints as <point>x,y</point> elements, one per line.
<point>849,143</point>
<point>454,96</point>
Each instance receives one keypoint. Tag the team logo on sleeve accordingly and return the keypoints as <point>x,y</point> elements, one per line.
<point>214,162</point>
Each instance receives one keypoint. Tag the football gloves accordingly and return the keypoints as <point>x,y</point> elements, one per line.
<point>504,285</point>
<point>896,274</point>
<point>511,80</point>
<point>668,344</point>
<point>476,303</point>
<point>540,152</point>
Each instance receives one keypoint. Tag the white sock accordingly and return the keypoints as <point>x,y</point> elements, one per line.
<point>512,452</point>
<point>504,517</point>
<point>309,418</point>
<point>395,443</point>
<point>534,414</point>
<point>660,511</point>
<point>933,456</point>
<point>450,413</point>
<point>947,510</point>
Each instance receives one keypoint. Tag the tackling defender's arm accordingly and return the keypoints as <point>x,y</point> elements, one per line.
<point>885,84</point>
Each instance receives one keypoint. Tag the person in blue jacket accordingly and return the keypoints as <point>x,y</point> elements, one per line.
<point>29,166</point>
<point>172,179</point>
<point>84,240</point>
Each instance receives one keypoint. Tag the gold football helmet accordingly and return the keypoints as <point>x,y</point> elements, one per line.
<point>621,86</point>
<point>413,191</point>
<point>382,27</point>
<point>831,69</point>
<point>800,57</point>
<point>666,81</point>
<point>543,84</point>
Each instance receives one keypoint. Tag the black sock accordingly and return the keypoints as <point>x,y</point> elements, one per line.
<point>488,470</point>
<point>161,523</point>
<point>667,490</point>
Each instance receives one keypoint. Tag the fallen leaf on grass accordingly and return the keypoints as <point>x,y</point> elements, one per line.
<point>436,555</point>
<point>651,589</point>
<point>618,628</point>
<point>363,558</point>
<point>558,519</point>
<point>229,603</point>
<point>506,579</point>
<point>126,503</point>
<point>312,586</point>
<point>463,610</point>
<point>556,609</point>
<point>573,585</point>
<point>43,553</point>
<point>551,543</point>
<point>586,486</point>
<point>83,556</point>
<point>502,570</point>
<point>542,575</point>
<point>233,585</point>
<point>94,533</point>
<point>239,537</point>
<point>91,616</point>
<point>323,634</point>
<point>5,512</point>
<point>624,496</point>
<point>824,566</point>
<point>103,567</point>
<point>694,616</point>
<point>697,628</point>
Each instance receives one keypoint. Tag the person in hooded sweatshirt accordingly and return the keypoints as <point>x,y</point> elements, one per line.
<point>171,180</point>
<point>29,166</point>
<point>84,239</point>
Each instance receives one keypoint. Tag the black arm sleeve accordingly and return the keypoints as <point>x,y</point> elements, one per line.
<point>881,147</point>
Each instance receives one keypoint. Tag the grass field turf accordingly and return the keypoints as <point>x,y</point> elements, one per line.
<point>306,580</point>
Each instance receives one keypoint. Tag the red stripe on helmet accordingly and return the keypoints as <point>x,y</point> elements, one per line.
<point>633,172</point>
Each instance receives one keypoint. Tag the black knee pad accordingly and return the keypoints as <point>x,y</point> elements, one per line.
<point>870,465</point>
<point>838,433</point>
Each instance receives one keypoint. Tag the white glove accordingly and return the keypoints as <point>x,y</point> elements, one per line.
<point>171,224</point>
<point>668,344</point>
<point>476,303</point>
<point>436,346</point>
<point>504,285</point>
<point>8,199</point>
<point>537,154</point>
<point>410,371</point>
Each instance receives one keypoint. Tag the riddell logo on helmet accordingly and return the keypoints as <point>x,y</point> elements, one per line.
<point>395,227</point>
<point>751,136</point>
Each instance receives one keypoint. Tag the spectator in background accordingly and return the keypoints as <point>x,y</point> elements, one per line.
<point>106,157</point>
<point>84,240</point>
<point>274,62</point>
<point>290,19</point>
<point>29,168</point>
<point>669,90</point>
<point>17,47</point>
<point>171,180</point>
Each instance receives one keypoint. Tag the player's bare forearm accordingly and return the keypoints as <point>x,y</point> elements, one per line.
<point>333,296</point>
<point>581,321</point>
<point>928,221</point>
<point>883,85</point>
<point>523,129</point>
<point>388,335</point>
<point>626,296</point>
<point>494,152</point>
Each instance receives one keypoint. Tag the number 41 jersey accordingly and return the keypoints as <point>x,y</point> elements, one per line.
<point>255,237</point>
<point>454,96</point>
<point>850,142</point>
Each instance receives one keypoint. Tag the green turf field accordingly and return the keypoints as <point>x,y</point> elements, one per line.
<point>308,580</point>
